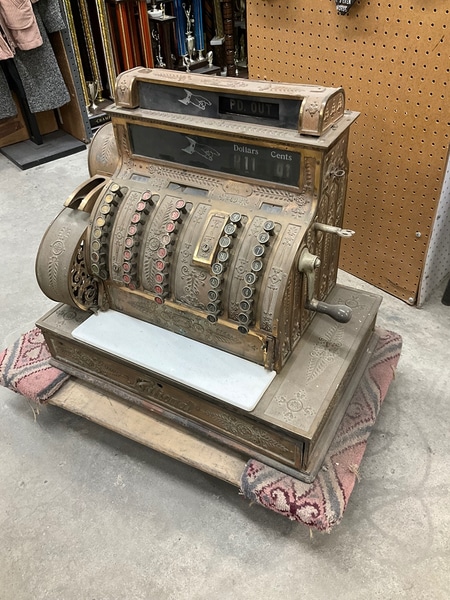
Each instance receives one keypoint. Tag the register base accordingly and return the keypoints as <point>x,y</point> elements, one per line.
<point>296,418</point>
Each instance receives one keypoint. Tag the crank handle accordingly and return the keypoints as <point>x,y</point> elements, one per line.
<point>338,312</point>
<point>307,264</point>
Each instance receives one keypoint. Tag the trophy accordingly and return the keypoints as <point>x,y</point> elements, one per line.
<point>155,12</point>
<point>92,90</point>
<point>160,64</point>
<point>186,63</point>
<point>190,39</point>
<point>190,33</point>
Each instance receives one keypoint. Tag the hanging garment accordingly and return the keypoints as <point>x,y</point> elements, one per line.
<point>7,105</point>
<point>19,27</point>
<point>50,11</point>
<point>38,68</point>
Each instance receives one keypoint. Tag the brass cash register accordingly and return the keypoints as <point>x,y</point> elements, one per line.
<point>195,271</point>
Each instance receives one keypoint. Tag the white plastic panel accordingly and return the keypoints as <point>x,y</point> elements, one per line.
<point>219,374</point>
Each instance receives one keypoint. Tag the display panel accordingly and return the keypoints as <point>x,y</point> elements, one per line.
<point>226,156</point>
<point>249,107</point>
<point>279,112</point>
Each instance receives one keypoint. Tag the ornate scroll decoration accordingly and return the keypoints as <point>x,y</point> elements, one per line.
<point>193,278</point>
<point>58,248</point>
<point>251,434</point>
<point>84,286</point>
<point>295,406</point>
<point>324,352</point>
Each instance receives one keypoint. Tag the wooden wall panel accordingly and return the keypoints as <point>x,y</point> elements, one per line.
<point>393,59</point>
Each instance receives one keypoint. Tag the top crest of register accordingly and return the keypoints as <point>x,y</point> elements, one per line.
<point>315,109</point>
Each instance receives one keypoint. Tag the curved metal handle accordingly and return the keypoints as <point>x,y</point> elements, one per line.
<point>336,230</point>
<point>307,264</point>
<point>338,312</point>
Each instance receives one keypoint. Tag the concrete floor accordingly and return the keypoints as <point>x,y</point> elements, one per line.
<point>88,515</point>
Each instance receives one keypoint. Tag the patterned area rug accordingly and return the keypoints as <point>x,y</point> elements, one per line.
<point>321,504</point>
<point>25,369</point>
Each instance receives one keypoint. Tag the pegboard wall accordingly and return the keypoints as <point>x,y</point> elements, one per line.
<point>393,59</point>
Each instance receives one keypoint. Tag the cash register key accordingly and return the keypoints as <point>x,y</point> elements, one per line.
<point>161,290</point>
<point>214,282</point>
<point>223,256</point>
<point>136,218</point>
<point>159,300</point>
<point>269,226</point>
<point>131,242</point>
<point>162,252</point>
<point>225,242</point>
<point>230,229</point>
<point>212,318</point>
<point>243,329</point>
<point>258,251</point>
<point>128,254</point>
<point>115,189</point>
<point>264,237</point>
<point>244,318</point>
<point>236,218</point>
<point>257,265</point>
<point>96,245</point>
<point>213,307</point>
<point>218,268</point>
<point>143,207</point>
<point>170,227</point>
<point>146,196</point>
<point>161,277</point>
<point>246,305</point>
<point>213,295</point>
<point>181,205</point>
<point>160,265</point>
<point>247,291</point>
<point>175,215</point>
<point>134,229</point>
<point>167,240</point>
<point>110,199</point>
<point>250,278</point>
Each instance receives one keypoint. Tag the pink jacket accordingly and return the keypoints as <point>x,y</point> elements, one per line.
<point>18,26</point>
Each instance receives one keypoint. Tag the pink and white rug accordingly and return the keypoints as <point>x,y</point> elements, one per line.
<point>25,369</point>
<point>321,504</point>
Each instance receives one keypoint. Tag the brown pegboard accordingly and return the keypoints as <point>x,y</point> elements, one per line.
<point>392,58</point>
